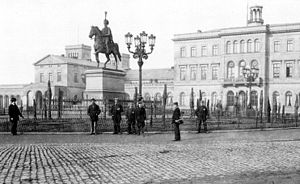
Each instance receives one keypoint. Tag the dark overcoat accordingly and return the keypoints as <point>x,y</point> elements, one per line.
<point>176,115</point>
<point>14,112</point>
<point>140,114</point>
<point>116,111</point>
<point>201,112</point>
<point>94,111</point>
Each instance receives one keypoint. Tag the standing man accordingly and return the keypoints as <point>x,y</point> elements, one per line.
<point>116,111</point>
<point>130,116</point>
<point>176,121</point>
<point>14,114</point>
<point>140,116</point>
<point>93,112</point>
<point>107,35</point>
<point>201,113</point>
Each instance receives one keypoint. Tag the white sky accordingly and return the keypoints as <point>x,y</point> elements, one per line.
<point>32,29</point>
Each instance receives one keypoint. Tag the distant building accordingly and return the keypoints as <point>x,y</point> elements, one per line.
<point>213,61</point>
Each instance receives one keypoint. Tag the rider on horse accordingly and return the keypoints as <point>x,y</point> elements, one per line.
<point>107,35</point>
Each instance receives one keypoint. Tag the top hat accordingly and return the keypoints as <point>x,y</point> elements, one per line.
<point>93,99</point>
<point>13,99</point>
<point>175,103</point>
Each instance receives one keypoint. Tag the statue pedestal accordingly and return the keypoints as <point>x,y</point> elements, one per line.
<point>104,83</point>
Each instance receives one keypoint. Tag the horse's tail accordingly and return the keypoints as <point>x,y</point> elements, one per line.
<point>118,52</point>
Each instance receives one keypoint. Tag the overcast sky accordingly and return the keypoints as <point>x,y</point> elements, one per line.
<point>32,29</point>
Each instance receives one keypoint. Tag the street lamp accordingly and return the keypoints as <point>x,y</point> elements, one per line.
<point>250,74</point>
<point>140,53</point>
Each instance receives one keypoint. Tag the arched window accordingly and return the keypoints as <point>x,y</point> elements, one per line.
<point>127,96</point>
<point>254,64</point>
<point>254,98</point>
<point>256,45</point>
<point>275,98</point>
<point>242,65</point>
<point>147,97</point>
<point>214,98</point>
<point>157,97</point>
<point>18,100</point>
<point>170,98</point>
<point>228,47</point>
<point>6,101</point>
<point>242,46</point>
<point>1,102</point>
<point>249,46</point>
<point>182,99</point>
<point>288,98</point>
<point>235,47</point>
<point>230,70</point>
<point>230,98</point>
<point>242,99</point>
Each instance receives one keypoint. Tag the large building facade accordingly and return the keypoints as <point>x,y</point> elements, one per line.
<point>213,62</point>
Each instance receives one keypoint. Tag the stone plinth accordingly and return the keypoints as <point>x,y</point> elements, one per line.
<point>104,83</point>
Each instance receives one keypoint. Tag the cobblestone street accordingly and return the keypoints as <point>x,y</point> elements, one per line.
<point>236,157</point>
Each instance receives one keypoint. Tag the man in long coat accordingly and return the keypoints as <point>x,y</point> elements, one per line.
<point>140,116</point>
<point>130,116</point>
<point>93,112</point>
<point>116,111</point>
<point>201,113</point>
<point>176,122</point>
<point>14,114</point>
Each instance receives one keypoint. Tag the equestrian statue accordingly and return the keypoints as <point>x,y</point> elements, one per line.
<point>103,43</point>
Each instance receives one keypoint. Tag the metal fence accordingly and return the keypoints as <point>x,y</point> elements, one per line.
<point>71,115</point>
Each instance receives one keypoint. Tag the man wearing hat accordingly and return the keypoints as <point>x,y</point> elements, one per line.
<point>176,122</point>
<point>201,113</point>
<point>116,111</point>
<point>14,114</point>
<point>140,116</point>
<point>107,35</point>
<point>93,112</point>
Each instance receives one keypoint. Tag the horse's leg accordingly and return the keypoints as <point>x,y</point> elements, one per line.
<point>107,57</point>
<point>116,50</point>
<point>116,61</point>
<point>97,58</point>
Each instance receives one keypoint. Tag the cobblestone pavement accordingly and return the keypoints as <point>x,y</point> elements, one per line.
<point>199,158</point>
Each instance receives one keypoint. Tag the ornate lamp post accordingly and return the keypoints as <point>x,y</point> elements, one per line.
<point>250,74</point>
<point>140,53</point>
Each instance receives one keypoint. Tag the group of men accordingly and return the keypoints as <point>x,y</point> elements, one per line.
<point>134,117</point>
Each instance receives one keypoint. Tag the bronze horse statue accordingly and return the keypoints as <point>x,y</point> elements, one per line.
<point>99,46</point>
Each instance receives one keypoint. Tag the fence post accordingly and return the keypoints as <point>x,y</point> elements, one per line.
<point>164,105</point>
<point>34,109</point>
<point>104,115</point>
<point>151,113</point>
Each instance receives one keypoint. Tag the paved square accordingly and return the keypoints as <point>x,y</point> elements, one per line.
<point>200,158</point>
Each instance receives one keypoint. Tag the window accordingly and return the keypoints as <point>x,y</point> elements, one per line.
<point>157,97</point>
<point>182,73</point>
<point>242,65</point>
<point>214,71</point>
<point>215,50</point>
<point>58,65</point>
<point>76,77</point>
<point>275,97</point>
<point>214,99</point>
<point>249,46</point>
<point>230,70</point>
<point>235,47</point>
<point>276,46</point>
<point>288,98</point>
<point>193,52</point>
<point>182,99</point>
<point>254,64</point>
<point>253,98</point>
<point>242,46</point>
<point>290,45</point>
<point>50,66</point>
<point>193,72</point>
<point>50,77</point>
<point>203,51</point>
<point>182,52</point>
<point>58,76</point>
<point>289,69</point>
<point>276,70</point>
<point>256,45</point>
<point>228,47</point>
<point>203,72</point>
<point>230,98</point>
<point>41,77</point>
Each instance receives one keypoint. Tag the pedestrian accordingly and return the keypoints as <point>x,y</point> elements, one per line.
<point>176,121</point>
<point>93,112</point>
<point>116,111</point>
<point>130,116</point>
<point>140,116</point>
<point>201,113</point>
<point>14,114</point>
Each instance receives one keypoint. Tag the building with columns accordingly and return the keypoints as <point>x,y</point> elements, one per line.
<point>213,62</point>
